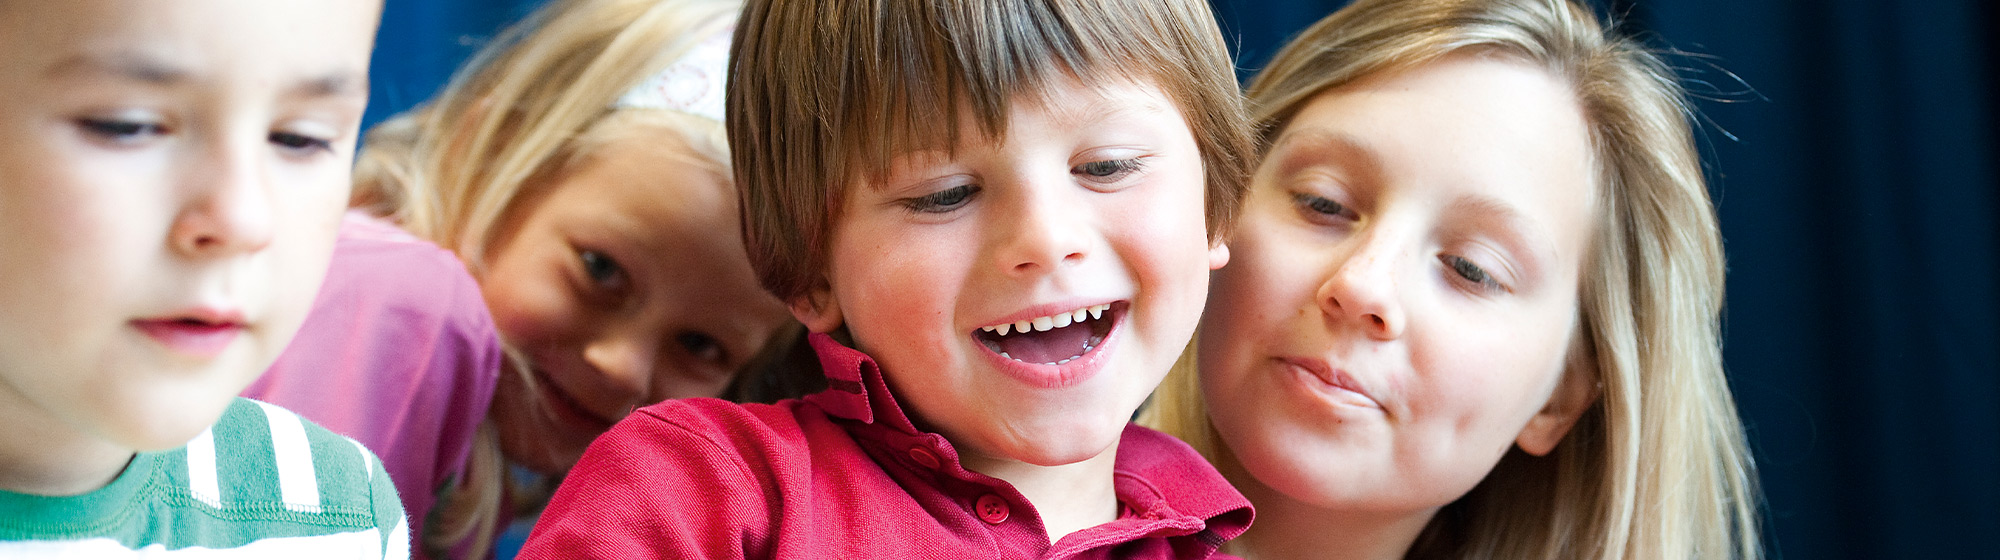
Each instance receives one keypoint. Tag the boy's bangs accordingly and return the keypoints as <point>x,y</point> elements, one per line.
<point>941,65</point>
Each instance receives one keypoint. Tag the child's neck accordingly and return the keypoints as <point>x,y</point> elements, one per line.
<point>1069,497</point>
<point>1289,529</point>
<point>44,456</point>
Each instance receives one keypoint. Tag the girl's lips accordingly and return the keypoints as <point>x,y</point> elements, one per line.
<point>566,409</point>
<point>204,337</point>
<point>1331,382</point>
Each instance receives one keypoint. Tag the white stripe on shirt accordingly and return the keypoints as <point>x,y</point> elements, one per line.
<point>297,481</point>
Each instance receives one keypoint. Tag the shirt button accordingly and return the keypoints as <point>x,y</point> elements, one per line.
<point>992,509</point>
<point>924,457</point>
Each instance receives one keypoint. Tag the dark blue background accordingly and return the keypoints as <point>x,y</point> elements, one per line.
<point>1853,166</point>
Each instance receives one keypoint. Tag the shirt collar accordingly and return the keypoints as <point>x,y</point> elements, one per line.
<point>855,387</point>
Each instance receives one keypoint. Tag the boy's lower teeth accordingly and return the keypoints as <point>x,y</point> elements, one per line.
<point>1087,347</point>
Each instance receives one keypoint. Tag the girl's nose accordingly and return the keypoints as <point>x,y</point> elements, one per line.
<point>626,360</point>
<point>1362,290</point>
<point>229,208</point>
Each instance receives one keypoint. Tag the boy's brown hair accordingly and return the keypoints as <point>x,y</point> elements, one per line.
<point>824,94</point>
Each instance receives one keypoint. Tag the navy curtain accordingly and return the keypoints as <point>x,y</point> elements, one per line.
<point>1853,164</point>
<point>421,42</point>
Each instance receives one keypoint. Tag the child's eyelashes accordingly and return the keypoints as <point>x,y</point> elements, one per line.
<point>301,145</point>
<point>1473,274</point>
<point>606,276</point>
<point>122,132</point>
<point>127,132</point>
<point>1321,209</point>
<point>701,346</point>
<point>1107,171</point>
<point>942,201</point>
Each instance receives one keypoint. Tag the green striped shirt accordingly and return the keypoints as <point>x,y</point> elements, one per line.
<point>260,483</point>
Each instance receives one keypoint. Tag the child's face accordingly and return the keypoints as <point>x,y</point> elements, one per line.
<point>1404,295</point>
<point>171,177</point>
<point>1091,205</point>
<point>624,283</point>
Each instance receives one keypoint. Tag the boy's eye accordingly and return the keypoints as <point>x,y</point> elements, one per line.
<point>942,201</point>
<point>1107,171</point>
<point>1322,206</point>
<point>601,269</point>
<point>700,345</point>
<point>121,131</point>
<point>1472,273</point>
<point>300,143</point>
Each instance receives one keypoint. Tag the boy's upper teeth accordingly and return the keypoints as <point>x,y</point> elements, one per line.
<point>1055,321</point>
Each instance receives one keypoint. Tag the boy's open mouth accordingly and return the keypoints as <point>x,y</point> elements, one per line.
<point>1051,340</point>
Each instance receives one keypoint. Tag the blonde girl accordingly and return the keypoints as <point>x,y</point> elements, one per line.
<point>1472,305</point>
<point>579,168</point>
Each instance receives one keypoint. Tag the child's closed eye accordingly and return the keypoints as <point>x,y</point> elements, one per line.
<point>301,145</point>
<point>1107,171</point>
<point>1473,274</point>
<point>1320,209</point>
<point>121,132</point>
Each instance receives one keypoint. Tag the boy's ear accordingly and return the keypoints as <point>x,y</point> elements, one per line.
<point>1218,252</point>
<point>818,309</point>
<point>1574,394</point>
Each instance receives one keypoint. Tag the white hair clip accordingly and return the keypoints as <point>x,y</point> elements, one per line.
<point>692,84</point>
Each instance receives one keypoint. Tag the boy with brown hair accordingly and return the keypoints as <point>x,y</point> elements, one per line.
<point>998,221</point>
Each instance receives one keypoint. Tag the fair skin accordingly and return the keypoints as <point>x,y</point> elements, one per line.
<point>1092,199</point>
<point>1403,307</point>
<point>169,199</point>
<point>622,283</point>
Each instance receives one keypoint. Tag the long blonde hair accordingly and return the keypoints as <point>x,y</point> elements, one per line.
<point>1657,468</point>
<point>535,102</point>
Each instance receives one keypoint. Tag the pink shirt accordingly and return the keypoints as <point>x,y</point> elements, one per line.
<point>398,353</point>
<point>844,474</point>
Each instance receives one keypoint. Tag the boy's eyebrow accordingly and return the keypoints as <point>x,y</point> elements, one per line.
<point>153,71</point>
<point>126,65</point>
<point>338,83</point>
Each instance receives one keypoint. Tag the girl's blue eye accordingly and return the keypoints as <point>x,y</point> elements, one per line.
<point>300,143</point>
<point>942,201</point>
<point>701,346</point>
<point>601,268</point>
<point>1107,171</point>
<point>1472,273</point>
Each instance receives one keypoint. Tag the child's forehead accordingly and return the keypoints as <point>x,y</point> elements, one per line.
<point>188,40</point>
<point>1060,101</point>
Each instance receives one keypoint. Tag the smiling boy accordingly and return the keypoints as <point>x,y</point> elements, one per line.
<point>1001,241</point>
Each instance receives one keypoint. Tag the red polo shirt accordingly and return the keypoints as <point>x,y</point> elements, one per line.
<point>844,474</point>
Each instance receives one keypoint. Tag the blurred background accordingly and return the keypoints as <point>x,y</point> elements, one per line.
<point>1850,147</point>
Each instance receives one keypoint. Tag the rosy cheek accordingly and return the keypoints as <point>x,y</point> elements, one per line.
<point>523,314</point>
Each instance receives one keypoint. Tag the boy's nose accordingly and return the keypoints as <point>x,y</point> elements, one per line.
<point>1047,232</point>
<point>1362,290</point>
<point>229,209</point>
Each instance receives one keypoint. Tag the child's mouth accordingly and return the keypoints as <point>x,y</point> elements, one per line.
<point>1051,340</point>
